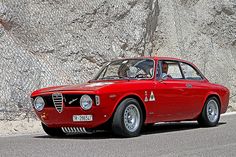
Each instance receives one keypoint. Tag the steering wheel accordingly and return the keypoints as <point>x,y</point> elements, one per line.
<point>141,76</point>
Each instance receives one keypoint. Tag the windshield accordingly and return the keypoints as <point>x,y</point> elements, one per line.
<point>127,69</point>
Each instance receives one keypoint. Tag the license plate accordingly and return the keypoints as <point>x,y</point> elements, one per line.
<point>82,118</point>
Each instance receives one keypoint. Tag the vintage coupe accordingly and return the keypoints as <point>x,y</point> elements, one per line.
<point>127,94</point>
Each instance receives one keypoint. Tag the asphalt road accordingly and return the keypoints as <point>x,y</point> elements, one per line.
<point>172,139</point>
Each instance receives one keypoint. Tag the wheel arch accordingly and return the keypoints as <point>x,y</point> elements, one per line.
<point>209,95</point>
<point>134,96</point>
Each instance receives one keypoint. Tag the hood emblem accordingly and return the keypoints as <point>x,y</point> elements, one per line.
<point>58,101</point>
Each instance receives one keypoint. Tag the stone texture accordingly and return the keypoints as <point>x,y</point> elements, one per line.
<point>54,42</point>
<point>203,32</point>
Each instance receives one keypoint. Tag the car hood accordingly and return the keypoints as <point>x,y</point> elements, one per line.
<point>82,87</point>
<point>90,87</point>
<point>99,87</point>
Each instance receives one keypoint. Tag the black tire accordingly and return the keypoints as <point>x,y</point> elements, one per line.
<point>118,124</point>
<point>54,132</point>
<point>203,119</point>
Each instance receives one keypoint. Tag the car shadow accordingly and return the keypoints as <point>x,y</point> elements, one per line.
<point>173,127</point>
<point>158,128</point>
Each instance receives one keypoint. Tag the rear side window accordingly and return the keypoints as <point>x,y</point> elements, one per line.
<point>189,72</point>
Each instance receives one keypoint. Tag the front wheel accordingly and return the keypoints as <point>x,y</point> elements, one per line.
<point>210,115</point>
<point>128,118</point>
<point>54,132</point>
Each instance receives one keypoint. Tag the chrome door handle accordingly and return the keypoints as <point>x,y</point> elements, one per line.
<point>189,85</point>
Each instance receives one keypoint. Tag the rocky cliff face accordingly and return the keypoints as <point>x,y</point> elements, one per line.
<point>52,42</point>
<point>204,32</point>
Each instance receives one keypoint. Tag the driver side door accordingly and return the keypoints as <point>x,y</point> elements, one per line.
<point>171,93</point>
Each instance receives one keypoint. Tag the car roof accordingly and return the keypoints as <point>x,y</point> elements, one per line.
<point>172,59</point>
<point>157,58</point>
<point>161,58</point>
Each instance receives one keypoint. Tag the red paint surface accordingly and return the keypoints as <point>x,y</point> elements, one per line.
<point>173,100</point>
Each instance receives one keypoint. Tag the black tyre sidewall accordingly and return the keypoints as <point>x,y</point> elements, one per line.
<point>118,125</point>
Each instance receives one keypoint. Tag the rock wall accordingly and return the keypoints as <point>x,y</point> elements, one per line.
<point>53,42</point>
<point>204,32</point>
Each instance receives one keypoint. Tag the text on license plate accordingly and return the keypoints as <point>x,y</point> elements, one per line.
<point>82,118</point>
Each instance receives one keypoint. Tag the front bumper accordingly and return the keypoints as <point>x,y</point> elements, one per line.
<point>52,118</point>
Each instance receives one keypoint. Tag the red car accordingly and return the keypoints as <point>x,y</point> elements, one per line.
<point>127,94</point>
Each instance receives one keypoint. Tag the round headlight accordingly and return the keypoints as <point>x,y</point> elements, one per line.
<point>86,102</point>
<point>39,103</point>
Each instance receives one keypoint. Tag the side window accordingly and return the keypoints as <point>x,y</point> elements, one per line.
<point>172,69</point>
<point>189,72</point>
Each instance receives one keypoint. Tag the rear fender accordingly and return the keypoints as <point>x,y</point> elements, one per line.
<point>211,94</point>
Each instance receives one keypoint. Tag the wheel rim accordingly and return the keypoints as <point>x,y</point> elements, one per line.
<point>212,111</point>
<point>131,118</point>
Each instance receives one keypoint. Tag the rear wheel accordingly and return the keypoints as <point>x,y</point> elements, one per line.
<point>128,118</point>
<point>55,132</point>
<point>210,115</point>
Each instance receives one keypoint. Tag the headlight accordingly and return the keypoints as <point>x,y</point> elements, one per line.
<point>86,102</point>
<point>39,103</point>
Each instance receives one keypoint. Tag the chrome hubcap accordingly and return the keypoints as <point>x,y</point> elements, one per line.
<point>131,118</point>
<point>212,111</point>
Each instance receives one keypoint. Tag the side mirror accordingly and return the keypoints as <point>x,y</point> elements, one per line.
<point>164,76</point>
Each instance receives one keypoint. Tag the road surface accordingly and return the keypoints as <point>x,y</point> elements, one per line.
<point>172,139</point>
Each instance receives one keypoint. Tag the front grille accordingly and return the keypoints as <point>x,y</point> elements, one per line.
<point>48,101</point>
<point>69,100</point>
<point>58,101</point>
<point>72,100</point>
